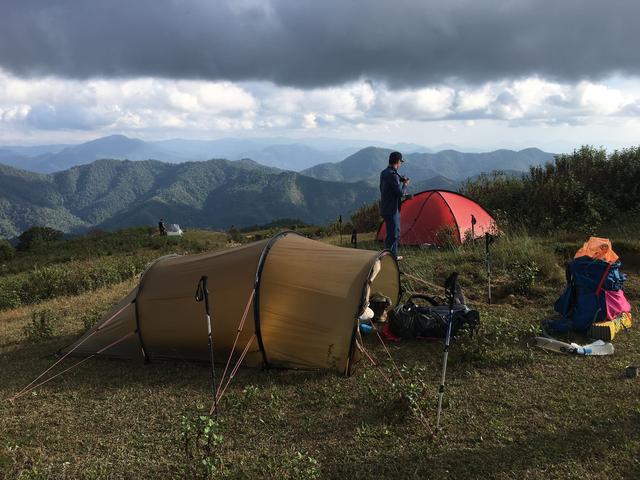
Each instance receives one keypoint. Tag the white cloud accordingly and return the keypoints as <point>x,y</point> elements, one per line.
<point>180,107</point>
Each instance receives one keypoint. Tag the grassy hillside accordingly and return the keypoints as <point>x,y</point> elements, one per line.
<point>511,410</point>
<point>213,194</point>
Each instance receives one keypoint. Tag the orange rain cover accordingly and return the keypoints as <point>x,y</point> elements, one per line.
<point>598,248</point>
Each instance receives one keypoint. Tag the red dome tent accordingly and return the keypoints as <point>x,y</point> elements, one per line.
<point>428,212</point>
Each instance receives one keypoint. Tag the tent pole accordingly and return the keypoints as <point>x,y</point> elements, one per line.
<point>451,285</point>
<point>202,293</point>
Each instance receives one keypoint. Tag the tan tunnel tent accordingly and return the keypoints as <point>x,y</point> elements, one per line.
<point>304,298</point>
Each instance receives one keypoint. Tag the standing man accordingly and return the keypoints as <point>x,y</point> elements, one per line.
<point>162,229</point>
<point>392,187</point>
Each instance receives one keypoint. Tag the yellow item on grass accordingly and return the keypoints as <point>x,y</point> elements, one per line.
<point>607,330</point>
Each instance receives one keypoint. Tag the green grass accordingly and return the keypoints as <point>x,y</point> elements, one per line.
<point>511,410</point>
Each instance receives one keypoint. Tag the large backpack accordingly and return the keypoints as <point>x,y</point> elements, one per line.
<point>594,293</point>
<point>415,319</point>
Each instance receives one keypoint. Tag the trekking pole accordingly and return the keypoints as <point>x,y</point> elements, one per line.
<point>473,227</point>
<point>202,293</point>
<point>488,240</point>
<point>450,287</point>
<point>340,228</point>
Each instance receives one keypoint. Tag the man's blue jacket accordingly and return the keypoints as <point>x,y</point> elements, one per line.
<point>391,191</point>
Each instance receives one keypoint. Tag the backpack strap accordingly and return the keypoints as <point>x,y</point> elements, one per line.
<point>604,276</point>
<point>423,296</point>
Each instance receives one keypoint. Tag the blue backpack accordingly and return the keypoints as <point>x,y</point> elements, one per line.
<point>583,301</point>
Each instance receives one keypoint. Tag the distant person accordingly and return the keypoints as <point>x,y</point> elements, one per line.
<point>162,229</point>
<point>392,188</point>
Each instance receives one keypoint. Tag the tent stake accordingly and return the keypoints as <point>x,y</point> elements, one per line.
<point>450,287</point>
<point>202,293</point>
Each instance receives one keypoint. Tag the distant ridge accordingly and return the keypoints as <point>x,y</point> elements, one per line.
<point>366,164</point>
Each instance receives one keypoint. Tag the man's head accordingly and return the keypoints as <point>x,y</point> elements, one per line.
<point>395,160</point>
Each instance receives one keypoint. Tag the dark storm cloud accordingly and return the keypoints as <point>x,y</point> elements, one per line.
<point>321,42</point>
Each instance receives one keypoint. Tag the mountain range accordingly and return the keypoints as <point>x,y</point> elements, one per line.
<point>218,193</point>
<point>111,194</point>
<point>283,153</point>
<point>450,165</point>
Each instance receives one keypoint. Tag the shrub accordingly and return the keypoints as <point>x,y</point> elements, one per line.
<point>579,191</point>
<point>447,237</point>
<point>6,250</point>
<point>367,218</point>
<point>38,237</point>
<point>234,235</point>
<point>42,325</point>
<point>523,276</point>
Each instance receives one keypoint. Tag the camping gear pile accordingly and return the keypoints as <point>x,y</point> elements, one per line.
<point>422,316</point>
<point>593,302</point>
<point>429,214</point>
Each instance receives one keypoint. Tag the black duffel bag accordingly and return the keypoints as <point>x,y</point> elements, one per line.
<point>411,319</point>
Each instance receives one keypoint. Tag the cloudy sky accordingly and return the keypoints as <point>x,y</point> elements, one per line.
<point>476,74</point>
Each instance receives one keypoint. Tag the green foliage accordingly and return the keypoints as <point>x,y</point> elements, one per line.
<point>447,237</point>
<point>69,278</point>
<point>201,442</point>
<point>413,389</point>
<point>295,465</point>
<point>367,218</point>
<point>235,235</point>
<point>524,276</point>
<point>7,252</point>
<point>42,324</point>
<point>38,237</point>
<point>580,191</point>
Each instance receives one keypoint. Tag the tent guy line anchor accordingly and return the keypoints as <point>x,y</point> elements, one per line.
<point>77,364</point>
<point>21,392</point>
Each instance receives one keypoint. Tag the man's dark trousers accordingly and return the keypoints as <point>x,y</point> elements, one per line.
<point>392,223</point>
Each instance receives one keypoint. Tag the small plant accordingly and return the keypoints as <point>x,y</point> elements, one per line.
<point>41,326</point>
<point>201,440</point>
<point>414,387</point>
<point>447,237</point>
<point>245,398</point>
<point>524,275</point>
<point>305,466</point>
<point>294,464</point>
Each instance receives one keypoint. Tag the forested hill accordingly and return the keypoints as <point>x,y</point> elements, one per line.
<point>214,194</point>
<point>365,164</point>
